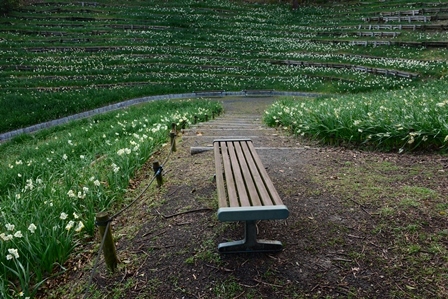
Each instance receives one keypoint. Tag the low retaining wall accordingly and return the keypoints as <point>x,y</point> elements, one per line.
<point>64,120</point>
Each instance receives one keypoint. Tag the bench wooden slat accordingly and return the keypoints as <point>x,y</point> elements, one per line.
<point>270,186</point>
<point>263,194</point>
<point>222,201</point>
<point>239,179</point>
<point>248,177</point>
<point>230,182</point>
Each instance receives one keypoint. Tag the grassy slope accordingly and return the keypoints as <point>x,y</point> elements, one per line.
<point>62,58</point>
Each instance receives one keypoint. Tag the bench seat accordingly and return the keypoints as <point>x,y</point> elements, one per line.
<point>245,193</point>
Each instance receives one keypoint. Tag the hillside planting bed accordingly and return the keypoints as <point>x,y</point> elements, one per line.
<point>87,57</point>
<point>55,183</point>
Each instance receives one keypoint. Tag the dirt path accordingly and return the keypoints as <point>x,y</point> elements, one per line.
<point>336,242</point>
<point>187,260</point>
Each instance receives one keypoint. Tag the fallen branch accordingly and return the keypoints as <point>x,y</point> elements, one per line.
<point>174,191</point>
<point>220,268</point>
<point>338,259</point>
<point>361,206</point>
<point>158,234</point>
<point>186,212</point>
<point>239,295</point>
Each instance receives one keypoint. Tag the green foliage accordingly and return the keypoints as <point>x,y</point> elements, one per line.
<point>53,184</point>
<point>6,6</point>
<point>405,120</point>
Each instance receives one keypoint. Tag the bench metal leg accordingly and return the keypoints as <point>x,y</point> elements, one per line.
<point>250,242</point>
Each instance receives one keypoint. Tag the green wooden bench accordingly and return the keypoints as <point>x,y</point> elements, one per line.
<point>245,193</point>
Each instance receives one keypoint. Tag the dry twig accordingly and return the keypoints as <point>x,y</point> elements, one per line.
<point>187,212</point>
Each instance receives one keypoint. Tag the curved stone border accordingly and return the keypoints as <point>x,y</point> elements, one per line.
<point>64,120</point>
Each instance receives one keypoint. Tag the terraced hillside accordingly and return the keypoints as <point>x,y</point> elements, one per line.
<point>380,66</point>
<point>61,57</point>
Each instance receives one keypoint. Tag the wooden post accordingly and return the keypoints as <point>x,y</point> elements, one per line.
<point>110,255</point>
<point>195,119</point>
<point>173,141</point>
<point>173,134</point>
<point>213,114</point>
<point>158,173</point>
<point>206,117</point>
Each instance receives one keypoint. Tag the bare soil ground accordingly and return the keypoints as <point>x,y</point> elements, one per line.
<point>361,225</point>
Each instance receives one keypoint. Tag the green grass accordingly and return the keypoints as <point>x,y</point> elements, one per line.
<point>227,289</point>
<point>55,183</point>
<point>406,220</point>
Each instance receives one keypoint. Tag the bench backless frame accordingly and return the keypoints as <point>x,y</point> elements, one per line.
<point>245,193</point>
